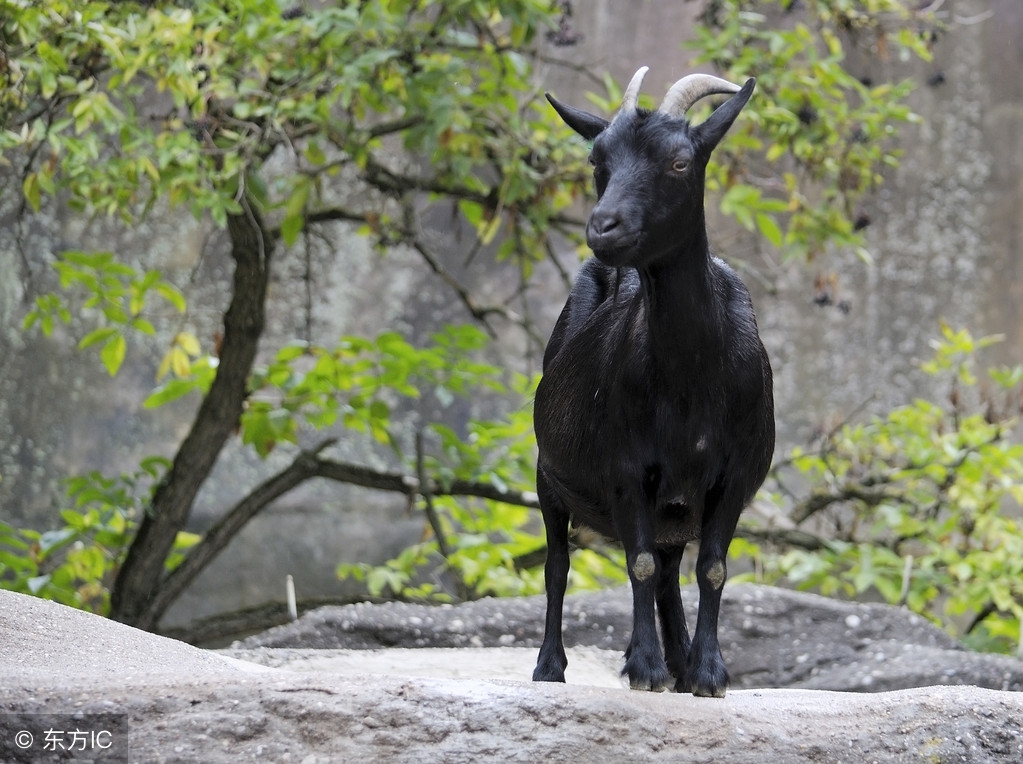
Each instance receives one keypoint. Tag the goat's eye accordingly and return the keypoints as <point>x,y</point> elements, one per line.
<point>679,166</point>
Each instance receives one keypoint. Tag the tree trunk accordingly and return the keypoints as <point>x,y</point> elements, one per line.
<point>143,569</point>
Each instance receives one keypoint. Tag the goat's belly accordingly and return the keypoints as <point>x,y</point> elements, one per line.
<point>592,518</point>
<point>676,524</point>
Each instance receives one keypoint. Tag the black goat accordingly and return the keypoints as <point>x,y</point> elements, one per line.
<point>655,414</point>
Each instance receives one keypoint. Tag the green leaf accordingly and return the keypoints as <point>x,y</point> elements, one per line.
<point>314,154</point>
<point>171,294</point>
<point>292,351</point>
<point>769,228</point>
<point>291,227</point>
<point>97,336</point>
<point>31,189</point>
<point>143,326</point>
<point>379,410</point>
<point>294,209</point>
<point>113,353</point>
<point>169,391</point>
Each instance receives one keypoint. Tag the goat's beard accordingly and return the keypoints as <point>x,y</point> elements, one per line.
<point>622,255</point>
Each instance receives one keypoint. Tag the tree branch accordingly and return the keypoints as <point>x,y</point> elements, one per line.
<point>783,537</point>
<point>396,482</point>
<point>307,465</point>
<point>424,491</point>
<point>478,312</point>
<point>228,526</point>
<point>390,182</point>
<point>817,502</point>
<point>395,126</point>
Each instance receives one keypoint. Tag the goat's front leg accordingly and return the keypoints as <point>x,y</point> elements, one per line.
<point>552,661</point>
<point>706,674</point>
<point>644,663</point>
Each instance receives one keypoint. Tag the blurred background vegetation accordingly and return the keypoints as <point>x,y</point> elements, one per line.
<point>273,123</point>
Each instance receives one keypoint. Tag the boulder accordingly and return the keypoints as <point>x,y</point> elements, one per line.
<point>770,637</point>
<point>160,700</point>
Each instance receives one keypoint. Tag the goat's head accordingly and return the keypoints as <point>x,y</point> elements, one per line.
<point>649,168</point>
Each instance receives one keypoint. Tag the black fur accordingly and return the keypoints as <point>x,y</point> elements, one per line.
<point>655,414</point>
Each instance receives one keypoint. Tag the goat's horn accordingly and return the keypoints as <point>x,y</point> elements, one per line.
<point>690,89</point>
<point>631,97</point>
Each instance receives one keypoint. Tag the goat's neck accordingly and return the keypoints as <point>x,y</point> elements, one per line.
<point>682,311</point>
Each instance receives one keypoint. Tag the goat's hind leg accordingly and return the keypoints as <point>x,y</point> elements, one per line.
<point>552,661</point>
<point>674,633</point>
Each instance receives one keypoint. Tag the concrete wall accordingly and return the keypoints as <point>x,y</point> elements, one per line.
<point>946,225</point>
<point>945,240</point>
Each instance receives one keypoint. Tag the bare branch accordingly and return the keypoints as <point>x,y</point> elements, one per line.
<point>335,214</point>
<point>424,491</point>
<point>478,312</point>
<point>228,526</point>
<point>783,537</point>
<point>395,126</point>
<point>307,465</point>
<point>819,501</point>
<point>396,482</point>
<point>385,179</point>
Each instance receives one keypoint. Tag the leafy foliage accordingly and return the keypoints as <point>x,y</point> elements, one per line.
<point>817,138</point>
<point>73,563</point>
<point>113,290</point>
<point>920,507</point>
<point>483,547</point>
<point>336,88</point>
<point>378,113</point>
<point>370,113</point>
<point>358,382</point>
<point>473,547</point>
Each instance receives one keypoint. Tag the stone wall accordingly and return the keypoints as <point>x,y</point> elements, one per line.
<point>945,238</point>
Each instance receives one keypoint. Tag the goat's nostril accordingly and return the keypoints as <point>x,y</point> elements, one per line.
<point>604,223</point>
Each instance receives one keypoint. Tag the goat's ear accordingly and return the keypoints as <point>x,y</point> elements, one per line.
<point>708,133</point>
<point>589,126</point>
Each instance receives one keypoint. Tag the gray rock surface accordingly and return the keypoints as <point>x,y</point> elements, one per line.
<point>770,637</point>
<point>164,701</point>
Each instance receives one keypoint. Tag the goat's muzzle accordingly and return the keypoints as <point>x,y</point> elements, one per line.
<point>612,240</point>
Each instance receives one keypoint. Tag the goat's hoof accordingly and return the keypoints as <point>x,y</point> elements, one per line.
<point>645,685</point>
<point>548,677</point>
<point>707,678</point>
<point>548,674</point>
<point>651,678</point>
<point>710,692</point>
<point>551,681</point>
<point>713,687</point>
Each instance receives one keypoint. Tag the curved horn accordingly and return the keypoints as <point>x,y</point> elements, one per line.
<point>690,89</point>
<point>631,97</point>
